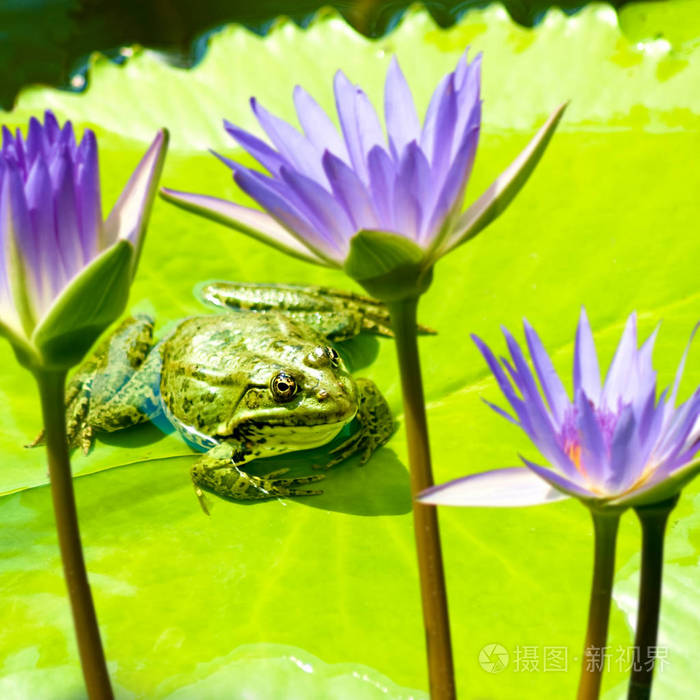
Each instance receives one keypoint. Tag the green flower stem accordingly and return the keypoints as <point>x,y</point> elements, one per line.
<point>653,519</point>
<point>432,579</point>
<point>52,392</point>
<point>605,524</point>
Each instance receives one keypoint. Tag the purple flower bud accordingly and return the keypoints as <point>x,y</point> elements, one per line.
<point>51,228</point>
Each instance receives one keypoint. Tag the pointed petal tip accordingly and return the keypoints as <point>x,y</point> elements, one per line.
<point>162,137</point>
<point>340,79</point>
<point>557,114</point>
<point>231,128</point>
<point>508,487</point>
<point>477,340</point>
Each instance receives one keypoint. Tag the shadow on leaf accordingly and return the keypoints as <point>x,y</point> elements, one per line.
<point>380,487</point>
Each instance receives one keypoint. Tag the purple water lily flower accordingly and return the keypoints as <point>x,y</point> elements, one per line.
<point>614,444</point>
<point>55,243</point>
<point>324,186</point>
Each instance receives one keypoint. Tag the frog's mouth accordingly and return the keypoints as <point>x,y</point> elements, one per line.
<point>280,437</point>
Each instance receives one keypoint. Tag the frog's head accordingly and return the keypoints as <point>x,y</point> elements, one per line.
<point>300,405</point>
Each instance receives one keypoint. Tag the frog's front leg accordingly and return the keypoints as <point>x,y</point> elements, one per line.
<point>219,471</point>
<point>376,425</point>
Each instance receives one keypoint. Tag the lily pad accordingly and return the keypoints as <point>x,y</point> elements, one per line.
<point>185,602</point>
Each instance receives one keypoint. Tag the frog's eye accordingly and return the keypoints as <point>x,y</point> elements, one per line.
<point>333,356</point>
<point>283,386</point>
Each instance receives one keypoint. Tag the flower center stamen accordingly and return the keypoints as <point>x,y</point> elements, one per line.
<point>573,452</point>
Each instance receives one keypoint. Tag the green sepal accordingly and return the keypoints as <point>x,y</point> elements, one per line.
<point>390,267</point>
<point>664,490</point>
<point>24,352</point>
<point>90,303</point>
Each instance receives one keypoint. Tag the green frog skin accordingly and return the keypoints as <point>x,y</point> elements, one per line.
<point>240,386</point>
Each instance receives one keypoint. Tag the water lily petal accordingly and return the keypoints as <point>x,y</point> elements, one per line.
<point>317,125</point>
<point>649,424</point>
<point>89,208</point>
<point>382,175</point>
<point>332,216</point>
<point>17,303</point>
<point>617,387</point>
<point>368,124</point>
<point>501,378</point>
<point>586,370</point>
<point>625,463</point>
<point>449,201</point>
<point>346,105</point>
<point>359,122</point>
<point>500,412</point>
<point>502,191</point>
<point>68,247</point>
<point>67,138</point>
<point>412,191</point>
<point>257,148</point>
<point>595,460</point>
<point>533,418</point>
<point>549,379</point>
<point>402,123</point>
<point>679,372</point>
<point>678,430</point>
<point>468,85</point>
<point>51,275</point>
<point>350,192</point>
<point>37,143</point>
<point>130,214</point>
<point>512,486</point>
<point>567,486</point>
<point>428,133</point>
<point>52,130</point>
<point>659,487</point>
<point>643,378</point>
<point>295,147</point>
<point>444,131</point>
<point>523,377</point>
<point>253,222</point>
<point>271,196</point>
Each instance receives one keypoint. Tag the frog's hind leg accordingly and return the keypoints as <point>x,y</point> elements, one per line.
<point>219,472</point>
<point>102,375</point>
<point>376,425</point>
<point>137,401</point>
<point>335,313</point>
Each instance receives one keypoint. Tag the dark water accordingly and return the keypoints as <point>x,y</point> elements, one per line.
<point>48,41</point>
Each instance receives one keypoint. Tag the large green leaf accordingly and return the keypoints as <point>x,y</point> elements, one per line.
<point>303,598</point>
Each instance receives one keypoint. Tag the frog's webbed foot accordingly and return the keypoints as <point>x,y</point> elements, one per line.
<point>335,313</point>
<point>78,432</point>
<point>376,425</point>
<point>217,472</point>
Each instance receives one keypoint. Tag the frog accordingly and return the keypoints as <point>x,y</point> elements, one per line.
<point>260,378</point>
